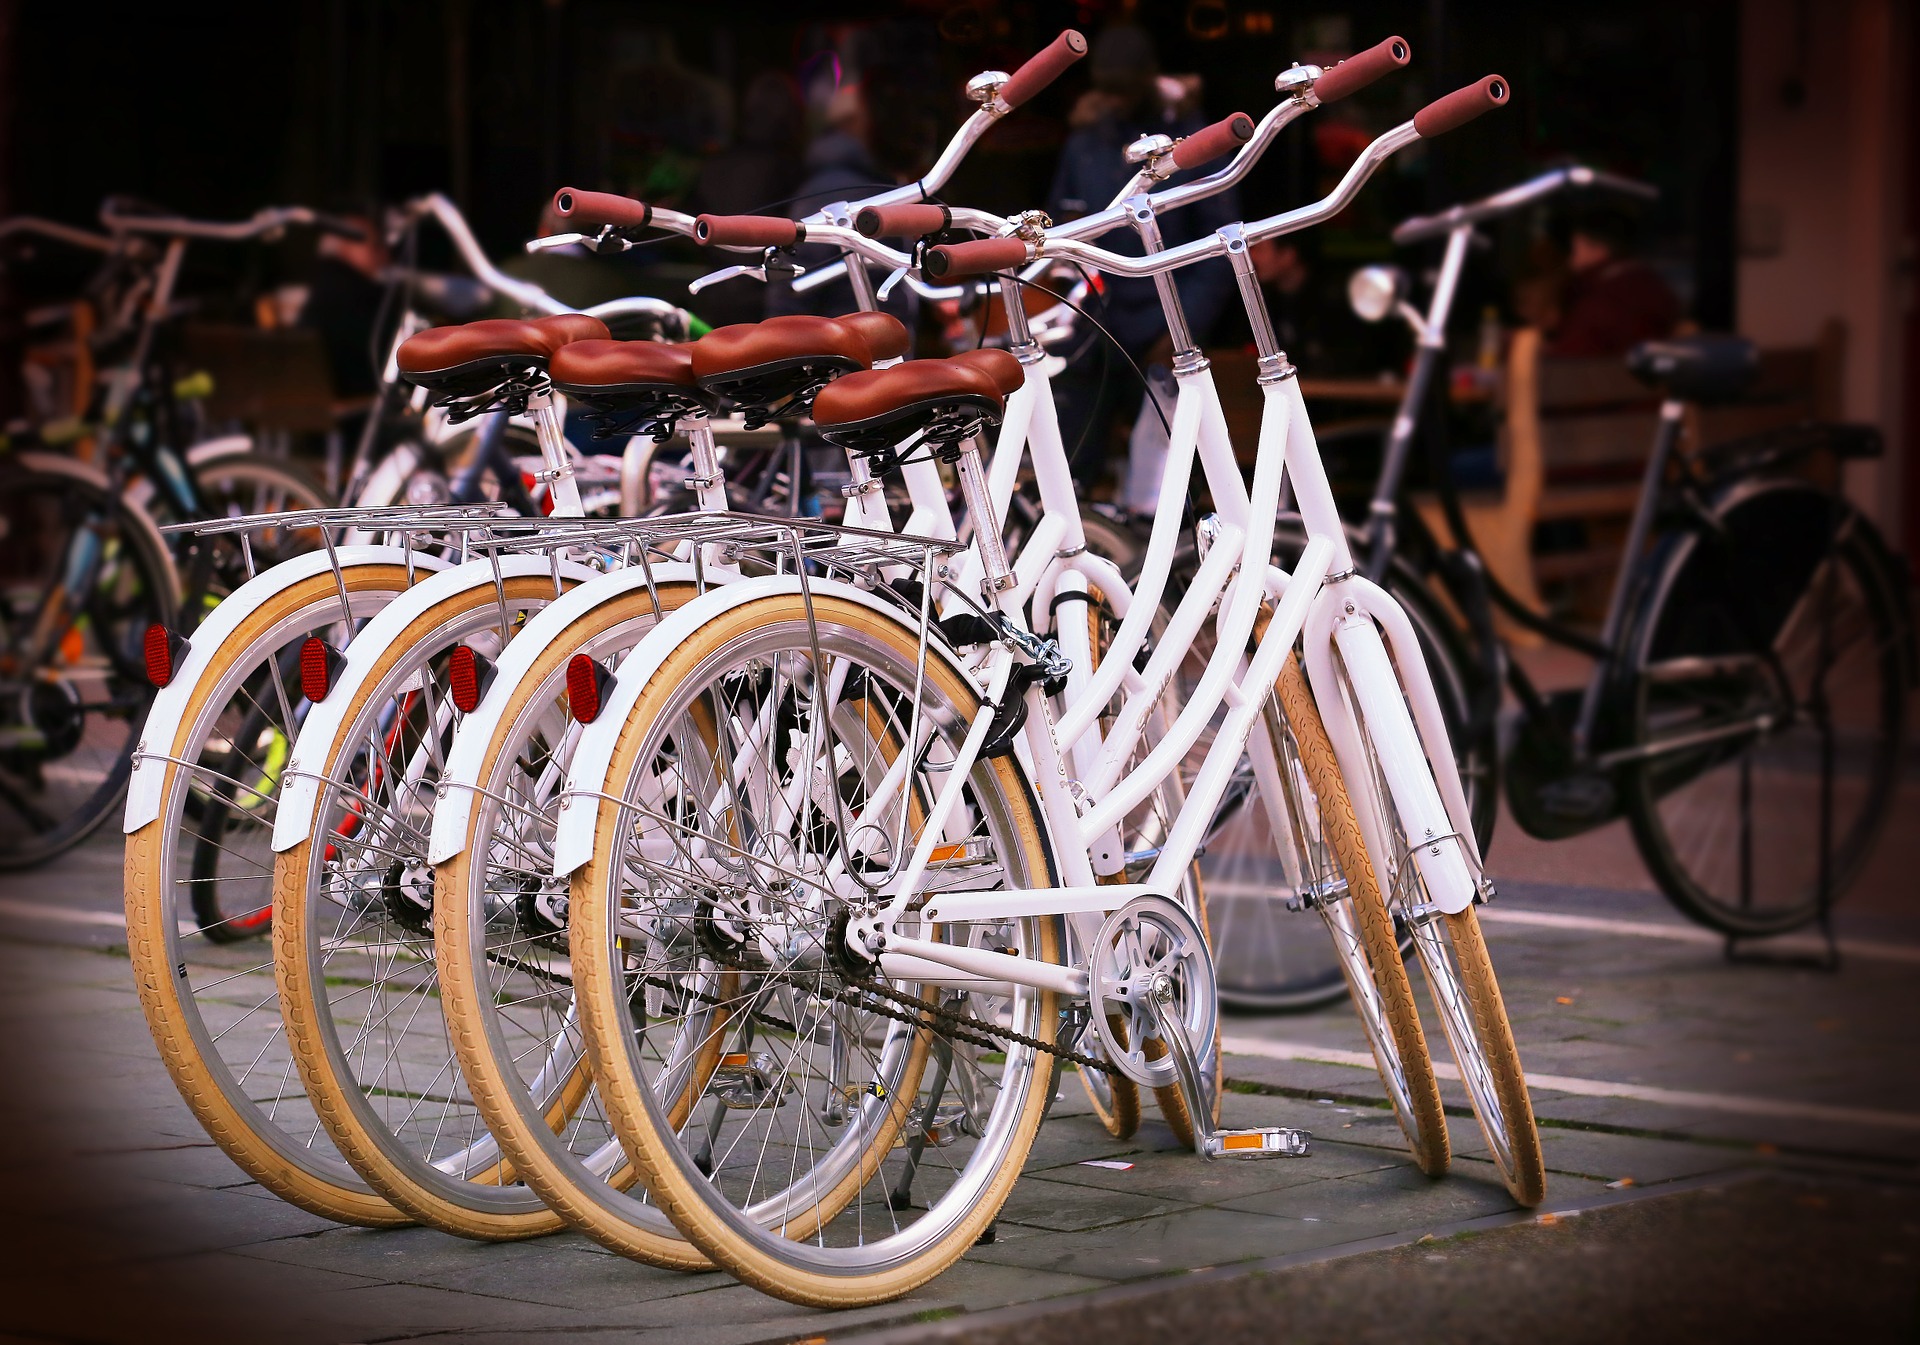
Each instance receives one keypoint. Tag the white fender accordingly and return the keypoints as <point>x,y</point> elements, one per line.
<point>224,446</point>
<point>162,729</point>
<point>593,754</point>
<point>466,759</point>
<point>300,792</point>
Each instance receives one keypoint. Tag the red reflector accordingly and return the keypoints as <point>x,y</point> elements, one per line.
<point>587,686</point>
<point>319,664</point>
<point>164,651</point>
<point>468,677</point>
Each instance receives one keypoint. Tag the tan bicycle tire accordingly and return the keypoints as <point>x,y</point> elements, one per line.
<point>303,1014</point>
<point>461,993</point>
<point>598,991</point>
<point>1527,1181</point>
<point>1341,825</point>
<point>157,980</point>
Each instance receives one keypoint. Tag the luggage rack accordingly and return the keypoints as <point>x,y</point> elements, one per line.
<point>783,545</point>
<point>760,543</point>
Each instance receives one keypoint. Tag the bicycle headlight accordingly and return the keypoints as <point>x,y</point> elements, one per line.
<point>1374,291</point>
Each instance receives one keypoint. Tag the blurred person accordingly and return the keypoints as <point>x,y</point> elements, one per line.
<point>756,174</point>
<point>840,166</point>
<point>1312,320</point>
<point>761,168</point>
<point>1612,299</point>
<point>343,303</point>
<point>1126,102</point>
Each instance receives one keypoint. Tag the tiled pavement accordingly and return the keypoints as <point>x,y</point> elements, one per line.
<point>125,1223</point>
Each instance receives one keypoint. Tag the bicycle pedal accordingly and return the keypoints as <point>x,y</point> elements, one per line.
<point>1262,1142</point>
<point>750,1083</point>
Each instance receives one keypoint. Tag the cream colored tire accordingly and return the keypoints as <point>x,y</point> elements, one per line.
<point>596,1206</point>
<point>483,1202</point>
<point>1418,1108</point>
<point>770,1258</point>
<point>278,1156</point>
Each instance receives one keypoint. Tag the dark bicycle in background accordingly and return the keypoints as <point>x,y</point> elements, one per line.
<point>1747,699</point>
<point>86,569</point>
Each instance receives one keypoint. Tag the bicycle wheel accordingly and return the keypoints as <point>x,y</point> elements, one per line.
<point>1767,708</point>
<point>208,993</point>
<point>353,937</point>
<point>500,935</point>
<point>1460,980</point>
<point>1364,936</point>
<point>753,774</point>
<point>83,582</point>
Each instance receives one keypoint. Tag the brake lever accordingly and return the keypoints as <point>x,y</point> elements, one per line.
<point>772,262</point>
<point>894,277</point>
<point>553,241</point>
<point>726,273</point>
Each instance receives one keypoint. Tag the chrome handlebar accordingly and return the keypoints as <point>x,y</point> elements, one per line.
<point>1218,244</point>
<point>523,292</point>
<point>1513,198</point>
<point>63,233</point>
<point>263,222</point>
<point>1103,221</point>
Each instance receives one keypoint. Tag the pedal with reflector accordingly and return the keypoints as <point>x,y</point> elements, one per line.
<point>1266,1142</point>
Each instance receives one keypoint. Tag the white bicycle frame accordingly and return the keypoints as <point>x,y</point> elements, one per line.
<point>1380,665</point>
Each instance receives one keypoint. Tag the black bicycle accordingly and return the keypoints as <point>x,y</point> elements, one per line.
<point>1747,699</point>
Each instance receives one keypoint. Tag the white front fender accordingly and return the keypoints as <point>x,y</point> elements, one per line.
<point>467,759</point>
<point>300,794</point>
<point>161,732</point>
<point>593,754</point>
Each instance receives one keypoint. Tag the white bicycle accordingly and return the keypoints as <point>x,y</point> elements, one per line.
<point>804,801</point>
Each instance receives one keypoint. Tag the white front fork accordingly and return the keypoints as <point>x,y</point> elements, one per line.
<point>1432,811</point>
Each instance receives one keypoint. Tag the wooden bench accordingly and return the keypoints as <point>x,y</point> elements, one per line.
<point>1573,443</point>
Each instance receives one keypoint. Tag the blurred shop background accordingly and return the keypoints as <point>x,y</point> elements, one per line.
<point>1780,133</point>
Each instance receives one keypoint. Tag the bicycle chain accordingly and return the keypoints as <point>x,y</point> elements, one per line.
<point>959,1026</point>
<point>964,1026</point>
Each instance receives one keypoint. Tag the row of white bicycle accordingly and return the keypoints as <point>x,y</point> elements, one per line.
<point>735,889</point>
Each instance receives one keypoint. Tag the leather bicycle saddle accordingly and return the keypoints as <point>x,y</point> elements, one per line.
<point>630,387</point>
<point>773,368</point>
<point>497,363</point>
<point>1006,372</point>
<point>945,401</point>
<point>1696,368</point>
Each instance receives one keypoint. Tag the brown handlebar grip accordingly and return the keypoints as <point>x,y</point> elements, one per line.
<point>594,208</point>
<point>1461,106</point>
<point>950,261</point>
<point>1043,67</point>
<point>1361,69</point>
<point>747,231</point>
<point>902,221</point>
<point>1204,146</point>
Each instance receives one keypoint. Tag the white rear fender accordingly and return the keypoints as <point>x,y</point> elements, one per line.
<point>300,794</point>
<point>161,733</point>
<point>593,754</point>
<point>468,758</point>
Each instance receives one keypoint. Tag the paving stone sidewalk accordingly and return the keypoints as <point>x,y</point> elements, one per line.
<point>128,1224</point>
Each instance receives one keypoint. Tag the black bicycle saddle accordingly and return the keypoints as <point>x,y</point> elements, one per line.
<point>1697,368</point>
